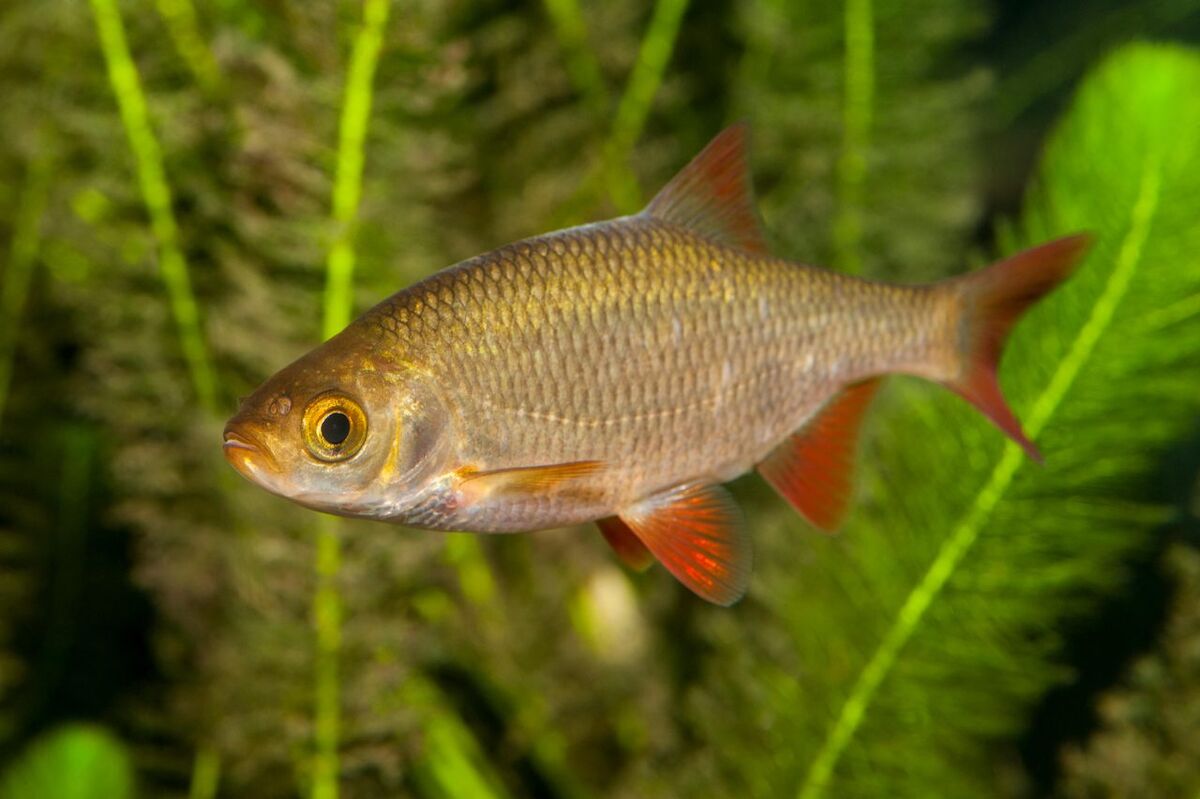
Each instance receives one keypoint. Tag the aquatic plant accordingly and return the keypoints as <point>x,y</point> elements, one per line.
<point>933,621</point>
<point>903,657</point>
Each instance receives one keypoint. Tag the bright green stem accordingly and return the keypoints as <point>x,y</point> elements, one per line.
<point>327,620</point>
<point>635,103</point>
<point>156,194</point>
<point>180,18</point>
<point>206,774</point>
<point>347,187</point>
<point>582,65</point>
<point>14,283</point>
<point>967,531</point>
<point>339,304</point>
<point>857,101</point>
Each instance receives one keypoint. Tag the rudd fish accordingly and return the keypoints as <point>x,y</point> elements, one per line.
<point>619,373</point>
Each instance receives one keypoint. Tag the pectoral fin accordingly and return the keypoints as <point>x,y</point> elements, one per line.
<point>698,534</point>
<point>625,543</point>
<point>525,479</point>
<point>814,468</point>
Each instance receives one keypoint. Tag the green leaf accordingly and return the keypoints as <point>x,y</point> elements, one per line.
<point>892,658</point>
<point>73,762</point>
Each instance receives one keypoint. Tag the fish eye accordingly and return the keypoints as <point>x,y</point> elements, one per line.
<point>335,427</point>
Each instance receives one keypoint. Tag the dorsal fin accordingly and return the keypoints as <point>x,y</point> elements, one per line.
<point>712,195</point>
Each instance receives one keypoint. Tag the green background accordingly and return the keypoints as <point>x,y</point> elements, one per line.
<point>194,192</point>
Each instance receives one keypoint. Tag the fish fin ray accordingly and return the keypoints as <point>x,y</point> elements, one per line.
<point>713,195</point>
<point>994,298</point>
<point>698,533</point>
<point>527,479</point>
<point>625,543</point>
<point>814,468</point>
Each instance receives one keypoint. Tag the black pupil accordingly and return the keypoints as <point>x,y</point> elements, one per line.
<point>335,428</point>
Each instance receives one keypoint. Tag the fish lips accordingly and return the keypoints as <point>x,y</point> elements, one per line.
<point>246,453</point>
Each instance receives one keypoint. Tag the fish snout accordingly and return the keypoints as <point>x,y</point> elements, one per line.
<point>245,451</point>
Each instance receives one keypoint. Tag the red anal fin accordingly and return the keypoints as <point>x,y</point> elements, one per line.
<point>994,298</point>
<point>526,479</point>
<point>712,195</point>
<point>814,468</point>
<point>698,534</point>
<point>625,543</point>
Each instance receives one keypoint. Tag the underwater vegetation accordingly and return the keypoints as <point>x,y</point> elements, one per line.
<point>195,192</point>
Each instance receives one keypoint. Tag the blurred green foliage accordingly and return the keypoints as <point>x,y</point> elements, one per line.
<point>175,177</point>
<point>72,762</point>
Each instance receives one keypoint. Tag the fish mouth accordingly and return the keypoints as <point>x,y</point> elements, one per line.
<point>246,453</point>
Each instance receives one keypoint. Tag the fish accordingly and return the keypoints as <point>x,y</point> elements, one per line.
<point>620,372</point>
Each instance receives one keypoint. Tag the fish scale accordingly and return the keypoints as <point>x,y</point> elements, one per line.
<point>597,352</point>
<point>619,372</point>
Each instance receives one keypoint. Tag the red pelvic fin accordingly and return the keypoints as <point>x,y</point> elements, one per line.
<point>814,468</point>
<point>625,543</point>
<point>712,195</point>
<point>994,298</point>
<point>698,534</point>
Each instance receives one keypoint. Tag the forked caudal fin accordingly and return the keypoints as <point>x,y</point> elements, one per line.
<point>994,298</point>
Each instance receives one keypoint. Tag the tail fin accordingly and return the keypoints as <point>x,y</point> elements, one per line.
<point>994,298</point>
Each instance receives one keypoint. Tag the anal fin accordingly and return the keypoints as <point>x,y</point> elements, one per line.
<point>814,468</point>
<point>697,532</point>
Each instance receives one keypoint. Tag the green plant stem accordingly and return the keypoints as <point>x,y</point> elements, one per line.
<point>17,276</point>
<point>339,305</point>
<point>582,66</point>
<point>857,101</point>
<point>347,187</point>
<point>156,194</point>
<point>184,30</point>
<point>967,531</point>
<point>206,774</point>
<point>611,174</point>
<point>634,107</point>
<point>327,620</point>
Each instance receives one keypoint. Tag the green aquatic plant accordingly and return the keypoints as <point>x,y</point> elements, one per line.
<point>339,308</point>
<point>18,269</point>
<point>931,624</point>
<point>534,665</point>
<point>858,90</point>
<point>866,130</point>
<point>76,761</point>
<point>611,174</point>
<point>1146,744</point>
<point>156,193</point>
<point>184,29</point>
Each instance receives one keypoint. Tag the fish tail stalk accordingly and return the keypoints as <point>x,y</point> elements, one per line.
<point>991,301</point>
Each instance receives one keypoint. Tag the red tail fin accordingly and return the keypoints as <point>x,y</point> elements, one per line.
<point>994,298</point>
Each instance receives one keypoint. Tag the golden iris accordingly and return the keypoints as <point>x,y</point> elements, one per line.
<point>335,427</point>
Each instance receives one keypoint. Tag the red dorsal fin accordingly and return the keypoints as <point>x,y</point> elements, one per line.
<point>712,195</point>
<point>814,468</point>
<point>629,548</point>
<point>697,533</point>
<point>994,298</point>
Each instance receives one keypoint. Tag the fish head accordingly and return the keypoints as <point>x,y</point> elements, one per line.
<point>342,432</point>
